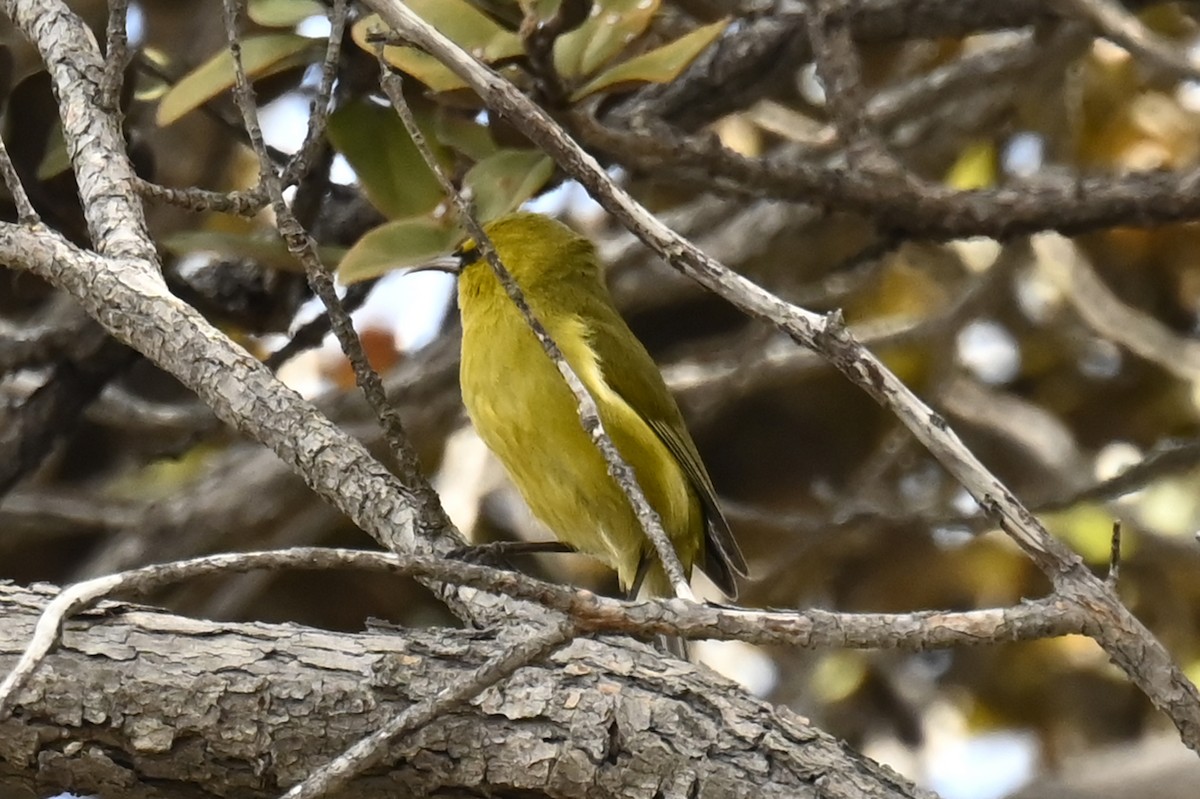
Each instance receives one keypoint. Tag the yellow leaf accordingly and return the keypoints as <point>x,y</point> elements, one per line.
<point>261,56</point>
<point>283,13</point>
<point>613,24</point>
<point>468,27</point>
<point>660,65</point>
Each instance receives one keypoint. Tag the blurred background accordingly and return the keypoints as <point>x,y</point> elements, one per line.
<point>1070,366</point>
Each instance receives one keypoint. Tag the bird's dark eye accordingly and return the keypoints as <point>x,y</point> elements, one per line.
<point>467,256</point>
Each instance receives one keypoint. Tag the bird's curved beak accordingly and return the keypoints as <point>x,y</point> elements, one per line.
<point>443,263</point>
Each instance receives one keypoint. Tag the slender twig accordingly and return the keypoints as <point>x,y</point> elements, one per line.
<point>241,203</point>
<point>1068,267</point>
<point>1166,459</point>
<point>839,69</point>
<point>25,211</point>
<point>318,114</point>
<point>312,333</point>
<point>116,56</point>
<point>1114,557</point>
<point>301,245</point>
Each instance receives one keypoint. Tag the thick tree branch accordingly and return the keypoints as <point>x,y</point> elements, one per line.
<point>165,703</point>
<point>95,143</point>
<point>135,306</point>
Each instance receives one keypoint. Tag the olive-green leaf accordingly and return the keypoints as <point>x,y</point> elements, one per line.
<point>660,65</point>
<point>456,129</point>
<point>612,25</point>
<point>55,159</point>
<point>389,166</point>
<point>283,13</point>
<point>468,27</point>
<point>151,83</point>
<point>394,245</point>
<point>261,56</point>
<point>269,251</point>
<point>501,182</point>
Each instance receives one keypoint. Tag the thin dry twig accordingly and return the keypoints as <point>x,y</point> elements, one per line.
<point>26,214</point>
<point>116,56</point>
<point>301,163</point>
<point>1114,557</point>
<point>240,203</point>
<point>301,244</point>
<point>1063,262</point>
<point>312,333</point>
<point>1165,459</point>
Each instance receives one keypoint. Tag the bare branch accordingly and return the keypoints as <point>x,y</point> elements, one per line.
<point>431,518</point>
<point>95,142</point>
<point>26,214</point>
<point>1106,314</point>
<point>1123,28</point>
<point>241,203</point>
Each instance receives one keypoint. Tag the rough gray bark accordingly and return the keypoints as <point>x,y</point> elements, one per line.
<point>155,705</point>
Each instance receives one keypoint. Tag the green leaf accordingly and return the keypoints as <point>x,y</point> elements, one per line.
<point>455,129</point>
<point>269,251</point>
<point>501,182</point>
<point>151,84</point>
<point>261,56</point>
<point>55,159</point>
<point>660,65</point>
<point>394,245</point>
<point>468,27</point>
<point>611,27</point>
<point>389,166</point>
<point>283,13</point>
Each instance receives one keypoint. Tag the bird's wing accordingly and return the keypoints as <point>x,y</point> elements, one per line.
<point>657,408</point>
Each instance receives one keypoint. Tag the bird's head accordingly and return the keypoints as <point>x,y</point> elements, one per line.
<point>536,250</point>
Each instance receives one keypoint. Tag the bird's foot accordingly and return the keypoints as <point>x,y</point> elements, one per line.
<point>495,553</point>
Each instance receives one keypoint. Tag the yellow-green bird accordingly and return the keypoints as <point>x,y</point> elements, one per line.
<point>527,416</point>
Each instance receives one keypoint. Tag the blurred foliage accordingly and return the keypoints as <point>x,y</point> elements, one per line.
<point>833,502</point>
